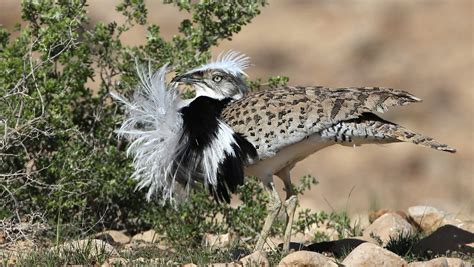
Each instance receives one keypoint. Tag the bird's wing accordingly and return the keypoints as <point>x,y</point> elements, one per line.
<point>275,118</point>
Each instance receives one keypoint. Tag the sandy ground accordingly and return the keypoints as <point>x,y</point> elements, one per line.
<point>423,46</point>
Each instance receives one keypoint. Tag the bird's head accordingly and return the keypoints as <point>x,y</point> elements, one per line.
<point>219,79</point>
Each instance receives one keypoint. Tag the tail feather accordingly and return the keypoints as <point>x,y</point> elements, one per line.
<point>404,135</point>
<point>369,128</point>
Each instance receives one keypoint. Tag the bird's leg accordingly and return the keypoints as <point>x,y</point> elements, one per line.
<point>274,207</point>
<point>290,206</point>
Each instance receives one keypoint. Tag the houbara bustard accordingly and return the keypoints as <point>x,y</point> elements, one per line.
<point>287,124</point>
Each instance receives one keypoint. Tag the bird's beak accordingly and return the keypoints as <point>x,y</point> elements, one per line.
<point>184,78</point>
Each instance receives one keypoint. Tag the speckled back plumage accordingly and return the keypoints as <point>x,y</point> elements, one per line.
<point>276,118</point>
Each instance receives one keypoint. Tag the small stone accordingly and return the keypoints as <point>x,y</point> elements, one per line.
<point>368,254</point>
<point>441,262</point>
<point>426,217</point>
<point>361,220</point>
<point>258,258</point>
<point>388,226</point>
<point>115,261</point>
<point>113,237</point>
<point>94,246</point>
<point>307,258</point>
<point>149,236</point>
<point>455,262</point>
<point>219,241</point>
<point>374,215</point>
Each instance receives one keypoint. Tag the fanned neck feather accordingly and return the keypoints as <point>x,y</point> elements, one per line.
<point>152,125</point>
<point>175,145</point>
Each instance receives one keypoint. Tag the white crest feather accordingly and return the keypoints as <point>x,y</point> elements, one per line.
<point>153,126</point>
<point>231,62</point>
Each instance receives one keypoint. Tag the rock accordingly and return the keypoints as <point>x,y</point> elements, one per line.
<point>95,247</point>
<point>374,215</point>
<point>307,258</point>
<point>113,237</point>
<point>361,220</point>
<point>426,217</point>
<point>219,241</point>
<point>258,258</point>
<point>455,262</point>
<point>368,254</point>
<point>429,219</point>
<point>441,262</point>
<point>149,236</point>
<point>467,225</point>
<point>115,261</point>
<point>189,265</point>
<point>388,226</point>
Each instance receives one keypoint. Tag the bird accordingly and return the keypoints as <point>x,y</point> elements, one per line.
<point>177,144</point>
<point>288,123</point>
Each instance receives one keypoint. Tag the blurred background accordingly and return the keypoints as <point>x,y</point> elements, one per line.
<point>425,47</point>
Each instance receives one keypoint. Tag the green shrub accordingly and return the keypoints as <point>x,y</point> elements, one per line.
<point>185,225</point>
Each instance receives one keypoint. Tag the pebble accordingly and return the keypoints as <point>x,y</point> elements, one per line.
<point>368,254</point>
<point>388,226</point>
<point>307,258</point>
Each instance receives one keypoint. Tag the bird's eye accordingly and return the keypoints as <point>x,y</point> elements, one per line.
<point>216,78</point>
